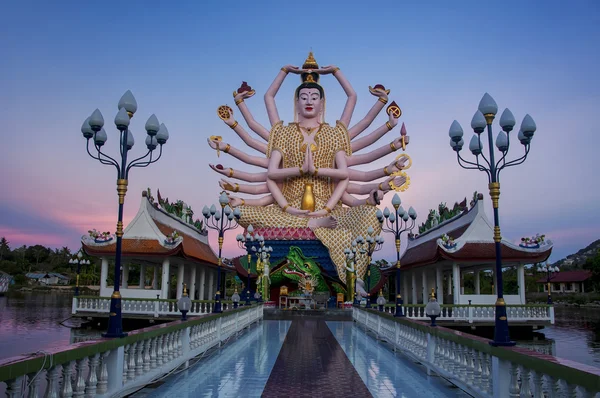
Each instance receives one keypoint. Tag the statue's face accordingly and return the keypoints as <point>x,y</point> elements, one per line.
<point>309,103</point>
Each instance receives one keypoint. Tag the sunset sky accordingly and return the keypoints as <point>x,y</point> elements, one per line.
<point>61,60</point>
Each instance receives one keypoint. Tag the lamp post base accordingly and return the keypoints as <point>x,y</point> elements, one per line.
<point>217,308</point>
<point>248,298</point>
<point>501,332</point>
<point>399,303</point>
<point>115,321</point>
<point>368,301</point>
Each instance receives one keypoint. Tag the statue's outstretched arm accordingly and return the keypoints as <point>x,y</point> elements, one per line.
<point>375,135</point>
<point>277,174</point>
<point>382,99</point>
<point>352,201</point>
<point>376,154</point>
<point>244,188</point>
<point>234,201</point>
<point>363,189</point>
<point>243,134</point>
<point>368,176</point>
<point>276,191</point>
<point>240,175</point>
<point>347,87</point>
<point>236,153</point>
<point>272,91</point>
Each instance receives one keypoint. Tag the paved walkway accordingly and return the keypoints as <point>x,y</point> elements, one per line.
<point>311,363</point>
<point>302,358</point>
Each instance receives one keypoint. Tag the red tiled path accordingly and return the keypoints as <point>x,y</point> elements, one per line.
<point>311,363</point>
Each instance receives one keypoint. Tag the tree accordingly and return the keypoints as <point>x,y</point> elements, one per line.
<point>4,248</point>
<point>593,264</point>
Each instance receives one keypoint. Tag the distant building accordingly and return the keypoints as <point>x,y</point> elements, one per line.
<point>48,278</point>
<point>5,281</point>
<point>567,281</point>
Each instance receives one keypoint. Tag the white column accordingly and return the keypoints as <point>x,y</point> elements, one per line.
<point>477,283</point>
<point>192,292</point>
<point>180,273</point>
<point>521,282</point>
<point>439,284</point>
<point>125,283</point>
<point>202,282</point>
<point>155,279</point>
<point>424,287</point>
<point>414,287</point>
<point>103,277</point>
<point>462,283</point>
<point>456,282</point>
<point>210,287</point>
<point>142,276</point>
<point>582,285</point>
<point>166,273</point>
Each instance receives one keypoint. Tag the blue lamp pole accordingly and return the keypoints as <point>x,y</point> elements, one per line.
<point>397,227</point>
<point>483,119</point>
<point>244,243</point>
<point>221,220</point>
<point>158,134</point>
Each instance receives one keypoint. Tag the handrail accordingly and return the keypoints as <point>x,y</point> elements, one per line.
<point>456,354</point>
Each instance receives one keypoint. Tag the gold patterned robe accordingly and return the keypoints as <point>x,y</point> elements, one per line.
<point>352,221</point>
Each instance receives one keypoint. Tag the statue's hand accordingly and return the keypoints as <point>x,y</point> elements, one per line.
<point>307,161</point>
<point>326,70</point>
<point>398,181</point>
<point>293,69</point>
<point>214,144</point>
<point>311,163</point>
<point>230,120</point>
<point>226,185</point>
<point>296,212</point>
<point>320,213</point>
<point>378,92</point>
<point>393,120</point>
<point>375,193</point>
<point>399,163</point>
<point>234,201</point>
<point>244,95</point>
<point>221,170</point>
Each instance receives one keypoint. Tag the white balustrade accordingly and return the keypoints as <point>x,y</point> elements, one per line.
<point>476,367</point>
<point>124,369</point>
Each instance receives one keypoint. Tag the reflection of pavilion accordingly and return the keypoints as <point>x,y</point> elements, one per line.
<point>161,241</point>
<point>428,262</point>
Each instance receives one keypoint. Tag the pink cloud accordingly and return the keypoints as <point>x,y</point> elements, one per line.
<point>19,238</point>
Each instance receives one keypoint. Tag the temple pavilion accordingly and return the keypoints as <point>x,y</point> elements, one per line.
<point>163,237</point>
<point>445,251</point>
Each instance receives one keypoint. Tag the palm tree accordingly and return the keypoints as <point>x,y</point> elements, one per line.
<point>4,247</point>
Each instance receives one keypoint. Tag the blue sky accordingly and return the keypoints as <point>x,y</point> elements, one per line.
<point>182,60</point>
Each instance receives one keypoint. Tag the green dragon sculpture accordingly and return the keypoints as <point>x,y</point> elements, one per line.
<point>297,266</point>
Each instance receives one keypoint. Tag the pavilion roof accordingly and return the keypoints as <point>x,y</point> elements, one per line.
<point>147,233</point>
<point>473,236</point>
<point>567,277</point>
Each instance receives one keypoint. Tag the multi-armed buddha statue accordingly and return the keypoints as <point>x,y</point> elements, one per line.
<point>309,181</point>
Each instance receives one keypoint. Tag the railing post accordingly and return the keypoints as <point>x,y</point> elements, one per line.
<point>156,307</point>
<point>74,306</point>
<point>500,378</point>
<point>430,352</point>
<point>470,317</point>
<point>551,311</point>
<point>219,330</point>
<point>114,365</point>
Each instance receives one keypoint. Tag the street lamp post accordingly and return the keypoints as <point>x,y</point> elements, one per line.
<point>244,242</point>
<point>158,134</point>
<point>549,270</point>
<point>373,244</point>
<point>221,221</point>
<point>397,227</point>
<point>79,261</point>
<point>483,118</point>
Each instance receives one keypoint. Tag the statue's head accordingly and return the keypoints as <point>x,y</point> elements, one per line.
<point>310,98</point>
